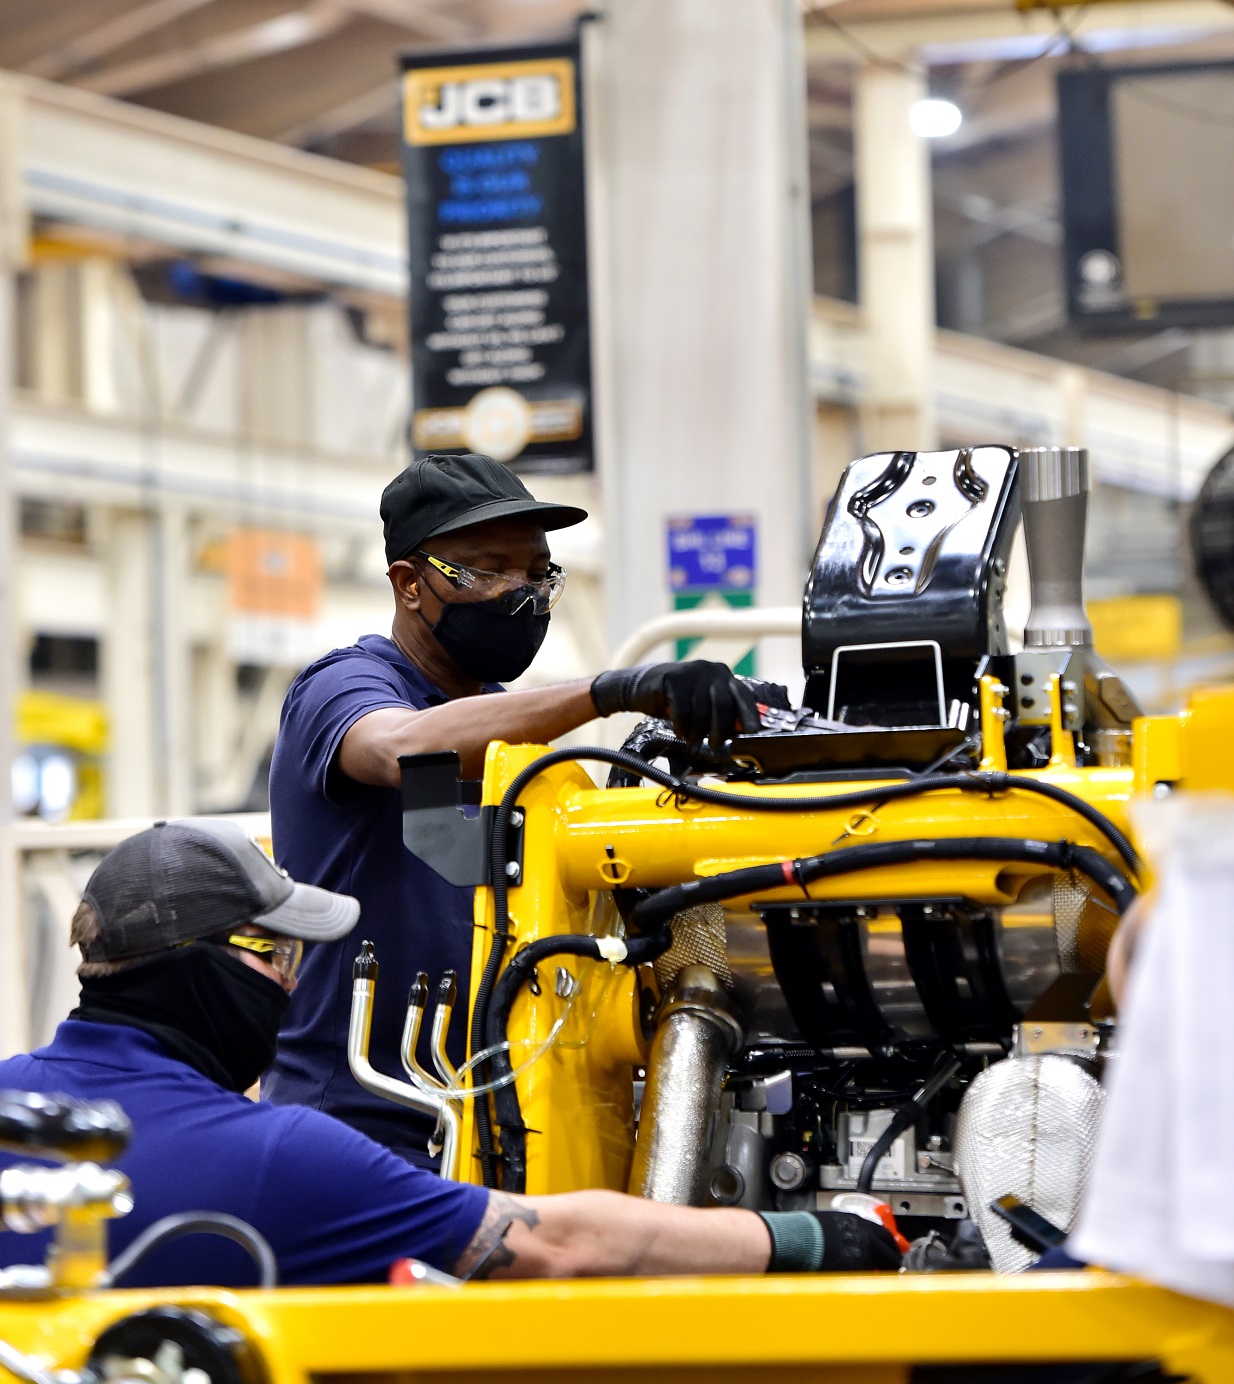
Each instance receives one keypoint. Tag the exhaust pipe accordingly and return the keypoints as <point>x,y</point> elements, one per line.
<point>1055,489</point>
<point>696,1036</point>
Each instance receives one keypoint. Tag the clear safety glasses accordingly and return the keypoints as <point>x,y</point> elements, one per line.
<point>513,592</point>
<point>283,954</point>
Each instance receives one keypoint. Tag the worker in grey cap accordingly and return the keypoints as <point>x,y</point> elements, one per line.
<point>474,584</point>
<point>191,943</point>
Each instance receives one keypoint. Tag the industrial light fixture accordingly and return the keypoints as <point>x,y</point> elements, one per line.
<point>934,118</point>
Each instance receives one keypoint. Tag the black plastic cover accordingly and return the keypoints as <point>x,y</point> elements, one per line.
<point>915,547</point>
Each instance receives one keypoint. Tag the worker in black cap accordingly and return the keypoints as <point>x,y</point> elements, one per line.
<point>474,584</point>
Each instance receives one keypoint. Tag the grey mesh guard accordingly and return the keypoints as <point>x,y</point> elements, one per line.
<point>1027,1126</point>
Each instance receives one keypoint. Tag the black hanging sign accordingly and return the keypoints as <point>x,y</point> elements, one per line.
<point>493,160</point>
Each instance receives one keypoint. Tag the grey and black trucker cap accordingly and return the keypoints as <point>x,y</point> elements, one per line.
<point>182,881</point>
<point>440,493</point>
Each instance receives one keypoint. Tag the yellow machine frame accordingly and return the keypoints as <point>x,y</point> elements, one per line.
<point>868,1329</point>
<point>579,843</point>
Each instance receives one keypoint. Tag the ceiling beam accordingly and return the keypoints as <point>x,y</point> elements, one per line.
<point>969,35</point>
<point>438,20</point>
<point>294,29</point>
<point>356,110</point>
<point>96,43</point>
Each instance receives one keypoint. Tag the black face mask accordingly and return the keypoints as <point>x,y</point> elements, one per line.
<point>485,642</point>
<point>204,1005</point>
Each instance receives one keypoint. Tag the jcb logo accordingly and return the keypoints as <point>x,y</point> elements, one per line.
<point>507,100</point>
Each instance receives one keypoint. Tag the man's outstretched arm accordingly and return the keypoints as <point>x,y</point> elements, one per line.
<point>701,699</point>
<point>609,1235</point>
<point>369,751</point>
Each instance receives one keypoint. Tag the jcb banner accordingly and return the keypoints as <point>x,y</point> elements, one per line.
<point>493,158</point>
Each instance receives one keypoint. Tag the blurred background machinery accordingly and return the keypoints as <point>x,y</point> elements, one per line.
<point>208,381</point>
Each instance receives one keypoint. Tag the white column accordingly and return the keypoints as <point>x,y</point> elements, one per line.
<point>215,723</point>
<point>129,537</point>
<point>98,306</point>
<point>14,998</point>
<point>170,662</point>
<point>895,257</point>
<point>700,257</point>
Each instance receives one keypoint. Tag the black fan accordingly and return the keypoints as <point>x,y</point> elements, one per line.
<point>1212,536</point>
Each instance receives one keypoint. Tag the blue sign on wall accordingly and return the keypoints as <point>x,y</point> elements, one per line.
<point>712,552</point>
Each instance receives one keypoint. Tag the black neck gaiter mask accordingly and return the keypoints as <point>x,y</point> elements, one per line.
<point>487,643</point>
<point>205,1006</point>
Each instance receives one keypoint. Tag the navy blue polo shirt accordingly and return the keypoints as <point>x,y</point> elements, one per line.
<point>335,1206</point>
<point>347,836</point>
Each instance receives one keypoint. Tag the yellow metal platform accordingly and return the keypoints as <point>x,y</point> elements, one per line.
<point>865,1329</point>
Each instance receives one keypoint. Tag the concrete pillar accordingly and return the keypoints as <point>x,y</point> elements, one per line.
<point>56,356</point>
<point>14,228</point>
<point>835,445</point>
<point>98,305</point>
<point>895,254</point>
<point>171,656</point>
<point>277,375</point>
<point>215,724</point>
<point>700,257</point>
<point>127,663</point>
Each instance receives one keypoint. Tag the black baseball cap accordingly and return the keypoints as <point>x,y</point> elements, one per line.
<point>182,881</point>
<point>447,491</point>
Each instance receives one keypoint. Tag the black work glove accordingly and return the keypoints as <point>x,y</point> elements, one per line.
<point>847,1244</point>
<point>704,701</point>
<point>851,1243</point>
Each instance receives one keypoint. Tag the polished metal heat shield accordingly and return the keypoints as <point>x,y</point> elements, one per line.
<point>1027,1126</point>
<point>695,1037</point>
<point>700,938</point>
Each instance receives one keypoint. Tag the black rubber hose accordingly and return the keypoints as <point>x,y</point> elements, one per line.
<point>1058,855</point>
<point>499,854</point>
<point>199,1223</point>
<point>944,1069</point>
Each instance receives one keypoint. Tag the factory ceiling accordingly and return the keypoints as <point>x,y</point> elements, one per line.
<point>321,75</point>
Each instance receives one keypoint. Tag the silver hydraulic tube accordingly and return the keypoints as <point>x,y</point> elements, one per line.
<point>695,1037</point>
<point>424,1102</point>
<point>417,1003</point>
<point>447,990</point>
<point>26,1367</point>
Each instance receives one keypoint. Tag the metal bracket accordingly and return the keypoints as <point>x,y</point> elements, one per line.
<point>436,829</point>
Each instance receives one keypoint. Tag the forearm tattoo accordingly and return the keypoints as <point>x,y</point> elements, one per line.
<point>488,1250</point>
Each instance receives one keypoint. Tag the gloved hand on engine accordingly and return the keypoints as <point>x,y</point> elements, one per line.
<point>704,701</point>
<point>828,1242</point>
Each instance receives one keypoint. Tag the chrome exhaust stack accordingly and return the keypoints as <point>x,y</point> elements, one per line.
<point>1056,484</point>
